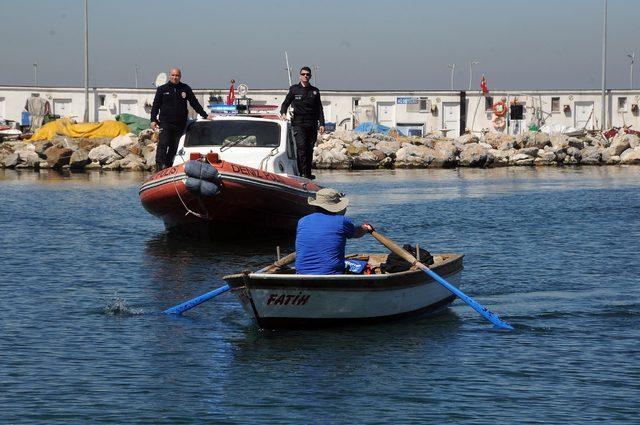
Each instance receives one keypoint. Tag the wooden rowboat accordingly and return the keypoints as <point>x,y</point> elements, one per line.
<point>276,297</point>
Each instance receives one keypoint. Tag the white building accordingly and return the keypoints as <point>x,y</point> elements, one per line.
<point>411,112</point>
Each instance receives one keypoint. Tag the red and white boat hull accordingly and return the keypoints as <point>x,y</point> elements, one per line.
<point>249,201</point>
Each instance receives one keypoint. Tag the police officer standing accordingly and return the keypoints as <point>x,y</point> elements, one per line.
<point>171,101</point>
<point>307,120</point>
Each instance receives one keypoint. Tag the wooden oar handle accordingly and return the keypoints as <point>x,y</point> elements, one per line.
<point>393,247</point>
<point>280,263</point>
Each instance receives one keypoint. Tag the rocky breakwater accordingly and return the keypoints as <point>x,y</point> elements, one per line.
<point>126,152</point>
<point>348,150</point>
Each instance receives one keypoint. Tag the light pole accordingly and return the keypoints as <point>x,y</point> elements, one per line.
<point>604,67</point>
<point>86,62</point>
<point>471,63</point>
<point>136,71</point>
<point>632,56</point>
<point>452,67</point>
<point>35,74</point>
<point>315,74</point>
<point>288,68</point>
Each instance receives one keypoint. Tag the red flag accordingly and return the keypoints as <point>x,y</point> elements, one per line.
<point>231,97</point>
<point>483,85</point>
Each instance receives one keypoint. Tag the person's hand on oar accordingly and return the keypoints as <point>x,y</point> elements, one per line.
<point>485,312</point>
<point>188,305</point>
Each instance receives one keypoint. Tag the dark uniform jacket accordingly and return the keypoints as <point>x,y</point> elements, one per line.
<point>307,106</point>
<point>171,100</point>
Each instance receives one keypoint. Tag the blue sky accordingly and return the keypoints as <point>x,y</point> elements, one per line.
<point>400,44</point>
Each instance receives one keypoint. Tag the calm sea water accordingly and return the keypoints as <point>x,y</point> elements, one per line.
<point>554,251</point>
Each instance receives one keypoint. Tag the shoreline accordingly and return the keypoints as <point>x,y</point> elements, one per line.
<point>348,150</point>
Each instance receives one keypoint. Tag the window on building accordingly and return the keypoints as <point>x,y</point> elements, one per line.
<point>555,104</point>
<point>425,104</point>
<point>488,103</point>
<point>102,98</point>
<point>622,104</point>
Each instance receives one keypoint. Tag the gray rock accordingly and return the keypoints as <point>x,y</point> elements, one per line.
<point>410,156</point>
<point>591,155</point>
<point>11,160</point>
<point>496,140</point>
<point>467,138</point>
<point>28,158</point>
<point>575,143</point>
<point>521,159</point>
<point>388,147</point>
<point>93,166</point>
<point>112,166</point>
<point>630,156</point>
<point>103,154</point>
<point>559,140</point>
<point>531,151</point>
<point>619,144</point>
<point>149,154</point>
<point>475,156</point>
<point>123,144</point>
<point>79,159</point>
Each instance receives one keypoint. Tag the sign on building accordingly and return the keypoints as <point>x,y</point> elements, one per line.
<point>407,100</point>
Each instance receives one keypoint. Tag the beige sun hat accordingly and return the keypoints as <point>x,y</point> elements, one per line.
<point>330,200</point>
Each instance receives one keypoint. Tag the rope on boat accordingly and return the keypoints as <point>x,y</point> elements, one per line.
<point>189,211</point>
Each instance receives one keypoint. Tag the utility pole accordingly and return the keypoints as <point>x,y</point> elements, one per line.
<point>136,71</point>
<point>288,68</point>
<point>315,74</point>
<point>35,73</point>
<point>452,67</point>
<point>86,62</point>
<point>632,56</point>
<point>603,115</point>
<point>471,63</point>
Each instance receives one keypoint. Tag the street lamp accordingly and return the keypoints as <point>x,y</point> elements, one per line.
<point>471,72</point>
<point>35,74</point>
<point>452,67</point>
<point>86,62</point>
<point>315,74</point>
<point>136,71</point>
<point>632,56</point>
<point>604,68</point>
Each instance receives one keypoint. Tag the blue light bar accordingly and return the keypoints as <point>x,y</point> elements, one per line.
<point>222,107</point>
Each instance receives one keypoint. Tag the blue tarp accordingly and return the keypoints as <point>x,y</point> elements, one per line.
<point>370,127</point>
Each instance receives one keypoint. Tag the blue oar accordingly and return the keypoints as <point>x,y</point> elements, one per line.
<point>492,317</point>
<point>188,305</point>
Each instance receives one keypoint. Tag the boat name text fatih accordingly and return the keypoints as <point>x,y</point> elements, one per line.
<point>284,299</point>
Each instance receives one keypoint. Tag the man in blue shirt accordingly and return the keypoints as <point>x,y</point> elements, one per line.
<point>322,236</point>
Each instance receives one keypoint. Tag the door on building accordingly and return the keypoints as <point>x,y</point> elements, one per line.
<point>386,113</point>
<point>583,115</point>
<point>62,107</point>
<point>451,118</point>
<point>128,106</point>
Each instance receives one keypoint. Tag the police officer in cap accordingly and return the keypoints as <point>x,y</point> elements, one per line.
<point>307,120</point>
<point>171,101</point>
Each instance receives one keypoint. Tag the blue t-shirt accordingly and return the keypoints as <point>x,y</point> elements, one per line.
<point>320,243</point>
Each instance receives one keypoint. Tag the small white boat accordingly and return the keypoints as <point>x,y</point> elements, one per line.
<point>279,298</point>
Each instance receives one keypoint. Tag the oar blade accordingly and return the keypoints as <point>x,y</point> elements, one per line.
<point>485,312</point>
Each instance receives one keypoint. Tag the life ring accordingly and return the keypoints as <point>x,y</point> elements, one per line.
<point>499,122</point>
<point>500,108</point>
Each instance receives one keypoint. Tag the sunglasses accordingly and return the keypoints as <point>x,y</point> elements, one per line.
<point>305,74</point>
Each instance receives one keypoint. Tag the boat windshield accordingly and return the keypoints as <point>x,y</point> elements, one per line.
<point>227,133</point>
